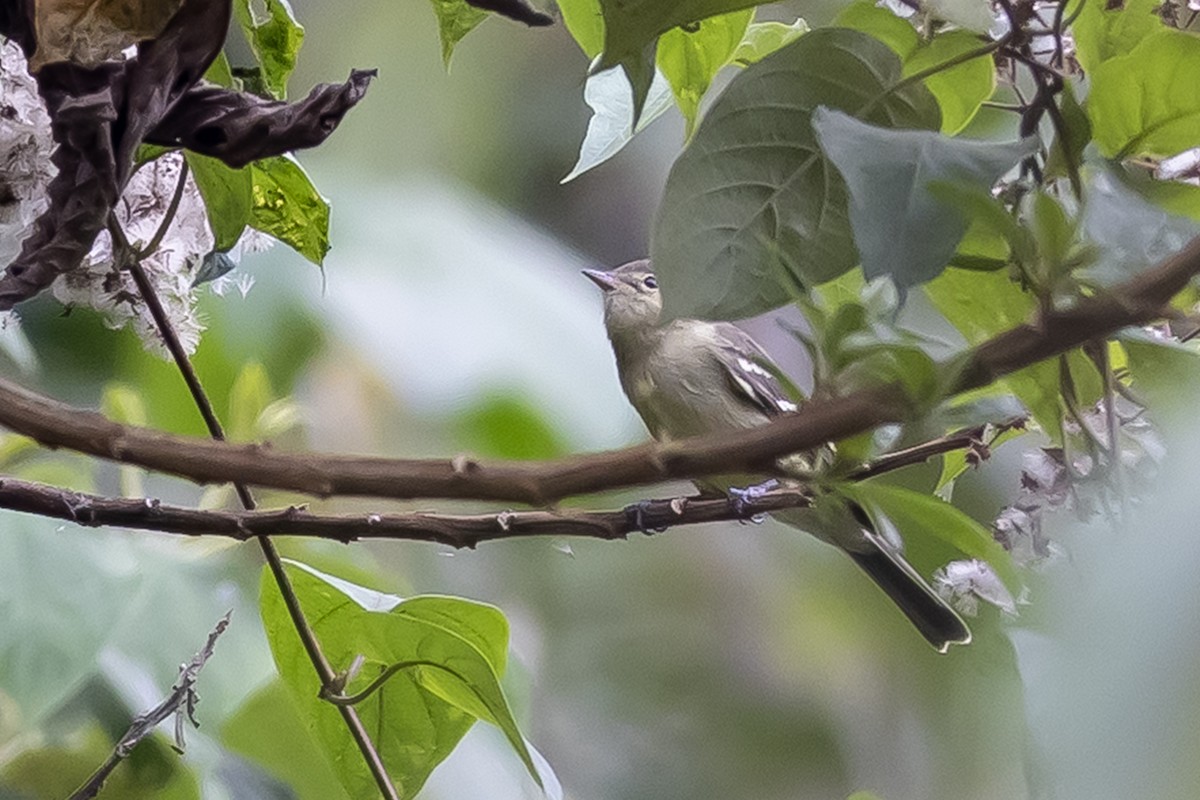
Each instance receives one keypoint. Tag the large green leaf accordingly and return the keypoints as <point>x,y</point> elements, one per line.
<point>227,194</point>
<point>1148,102</point>
<point>691,57</point>
<point>455,20</point>
<point>935,531</point>
<point>287,206</point>
<point>753,212</point>
<point>455,651</point>
<point>275,40</point>
<point>960,90</point>
<point>900,227</point>
<point>1104,30</point>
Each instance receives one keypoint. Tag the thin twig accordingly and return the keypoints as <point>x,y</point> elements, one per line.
<point>169,214</point>
<point>1070,398</point>
<point>1061,133</point>
<point>1113,424</point>
<point>180,702</point>
<point>308,637</point>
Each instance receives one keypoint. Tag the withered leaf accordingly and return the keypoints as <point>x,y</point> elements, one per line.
<point>515,9</point>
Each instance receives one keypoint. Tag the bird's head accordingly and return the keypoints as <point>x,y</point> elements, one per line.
<point>631,299</point>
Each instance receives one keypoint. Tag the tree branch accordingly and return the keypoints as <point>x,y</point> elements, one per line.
<point>1052,331</point>
<point>455,530</point>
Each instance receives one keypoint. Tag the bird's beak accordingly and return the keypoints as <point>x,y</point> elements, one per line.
<point>605,280</point>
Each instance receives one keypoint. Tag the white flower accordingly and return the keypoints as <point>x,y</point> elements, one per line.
<point>965,583</point>
<point>25,170</point>
<point>171,268</point>
<point>25,149</point>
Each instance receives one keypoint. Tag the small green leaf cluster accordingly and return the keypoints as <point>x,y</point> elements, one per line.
<point>272,195</point>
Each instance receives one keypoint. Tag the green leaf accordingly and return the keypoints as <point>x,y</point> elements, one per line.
<point>1106,30</point>
<point>269,730</point>
<point>960,90</point>
<point>691,57</point>
<point>287,206</point>
<point>1175,197</point>
<point>585,21</point>
<point>1053,231</point>
<point>227,194</point>
<point>1078,135</point>
<point>764,38</point>
<point>908,365</point>
<point>896,33</point>
<point>218,72</point>
<point>506,427</point>
<point>901,228</point>
<point>934,531</point>
<point>954,464</point>
<point>982,304</point>
<point>630,26</point>
<point>993,230</point>
<point>609,96</point>
<point>454,649</point>
<point>753,213</point>
<point>275,41</point>
<point>1166,375</point>
<point>455,20</point>
<point>1148,102</point>
<point>250,395</point>
<point>1130,234</point>
<point>57,769</point>
<point>122,403</point>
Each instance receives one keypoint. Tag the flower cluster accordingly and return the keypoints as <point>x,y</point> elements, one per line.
<point>25,148</point>
<point>174,267</point>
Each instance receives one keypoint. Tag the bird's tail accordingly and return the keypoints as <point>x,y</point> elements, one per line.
<point>931,615</point>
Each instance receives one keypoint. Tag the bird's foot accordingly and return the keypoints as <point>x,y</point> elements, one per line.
<point>743,500</point>
<point>636,514</point>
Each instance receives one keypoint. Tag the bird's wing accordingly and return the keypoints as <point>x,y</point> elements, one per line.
<point>744,363</point>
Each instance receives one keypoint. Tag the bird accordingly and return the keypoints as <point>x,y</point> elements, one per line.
<point>690,377</point>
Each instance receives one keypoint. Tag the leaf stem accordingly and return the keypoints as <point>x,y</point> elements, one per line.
<point>950,63</point>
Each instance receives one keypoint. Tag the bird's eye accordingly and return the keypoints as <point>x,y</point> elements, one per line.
<point>650,282</point>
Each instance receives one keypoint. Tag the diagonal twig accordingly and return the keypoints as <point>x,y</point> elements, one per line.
<point>181,703</point>
<point>358,732</point>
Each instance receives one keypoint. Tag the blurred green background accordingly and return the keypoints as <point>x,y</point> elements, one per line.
<point>725,661</point>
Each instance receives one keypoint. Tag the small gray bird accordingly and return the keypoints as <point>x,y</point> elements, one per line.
<point>688,378</point>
